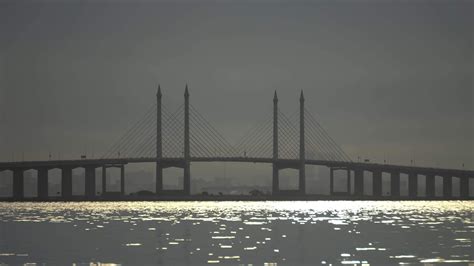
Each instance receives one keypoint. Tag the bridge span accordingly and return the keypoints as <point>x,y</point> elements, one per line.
<point>167,141</point>
<point>353,169</point>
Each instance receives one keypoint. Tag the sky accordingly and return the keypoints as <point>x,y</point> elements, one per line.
<point>389,80</point>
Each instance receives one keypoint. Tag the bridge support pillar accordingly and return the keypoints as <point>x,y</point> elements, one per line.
<point>464,187</point>
<point>187,179</point>
<point>377,183</point>
<point>394,184</point>
<point>331,181</point>
<point>430,186</point>
<point>104,180</point>
<point>122,179</point>
<point>66,183</point>
<point>447,186</point>
<point>275,180</point>
<point>18,184</point>
<point>359,182</point>
<point>90,182</point>
<point>42,183</point>
<point>412,185</point>
<point>159,178</point>
<point>302,180</point>
<point>349,182</point>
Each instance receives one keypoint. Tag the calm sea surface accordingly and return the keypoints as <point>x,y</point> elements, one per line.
<point>238,233</point>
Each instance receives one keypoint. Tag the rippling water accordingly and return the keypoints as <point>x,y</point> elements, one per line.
<point>238,233</point>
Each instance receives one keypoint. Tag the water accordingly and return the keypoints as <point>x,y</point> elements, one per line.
<point>238,233</point>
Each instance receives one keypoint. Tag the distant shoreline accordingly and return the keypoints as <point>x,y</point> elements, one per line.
<point>231,198</point>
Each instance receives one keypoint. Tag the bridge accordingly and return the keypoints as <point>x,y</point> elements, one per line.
<point>163,138</point>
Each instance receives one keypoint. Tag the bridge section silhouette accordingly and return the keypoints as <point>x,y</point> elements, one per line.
<point>176,137</point>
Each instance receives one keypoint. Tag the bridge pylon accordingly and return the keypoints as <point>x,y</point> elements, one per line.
<point>302,170</point>
<point>279,164</point>
<point>276,178</point>
<point>159,144</point>
<point>187,153</point>
<point>162,163</point>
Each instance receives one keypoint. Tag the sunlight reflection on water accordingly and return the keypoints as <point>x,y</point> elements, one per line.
<point>288,233</point>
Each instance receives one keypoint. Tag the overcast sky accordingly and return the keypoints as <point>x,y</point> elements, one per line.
<point>388,79</point>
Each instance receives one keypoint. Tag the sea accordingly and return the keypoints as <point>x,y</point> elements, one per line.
<point>237,233</point>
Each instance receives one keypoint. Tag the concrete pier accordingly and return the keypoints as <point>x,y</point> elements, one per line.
<point>159,178</point>
<point>66,182</point>
<point>447,186</point>
<point>18,184</point>
<point>42,183</point>
<point>359,182</point>
<point>430,186</point>
<point>464,187</point>
<point>349,181</point>
<point>275,180</point>
<point>122,179</point>
<point>377,183</point>
<point>90,182</point>
<point>104,180</point>
<point>331,181</point>
<point>395,184</point>
<point>412,185</point>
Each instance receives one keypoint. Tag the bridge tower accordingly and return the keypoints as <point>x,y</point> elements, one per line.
<point>187,154</point>
<point>159,150</point>
<point>302,170</point>
<point>276,179</point>
<point>162,163</point>
<point>278,164</point>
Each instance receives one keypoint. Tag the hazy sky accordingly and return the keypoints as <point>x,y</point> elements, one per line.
<point>388,79</point>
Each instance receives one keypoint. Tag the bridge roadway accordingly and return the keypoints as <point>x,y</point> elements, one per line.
<point>357,168</point>
<point>52,164</point>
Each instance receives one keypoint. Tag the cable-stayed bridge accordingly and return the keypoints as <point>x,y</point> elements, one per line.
<point>176,138</point>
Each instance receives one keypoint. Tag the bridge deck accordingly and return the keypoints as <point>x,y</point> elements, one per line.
<point>51,164</point>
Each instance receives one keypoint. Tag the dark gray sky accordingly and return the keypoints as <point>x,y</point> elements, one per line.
<point>388,79</point>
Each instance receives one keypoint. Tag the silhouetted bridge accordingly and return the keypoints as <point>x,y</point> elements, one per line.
<point>161,137</point>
